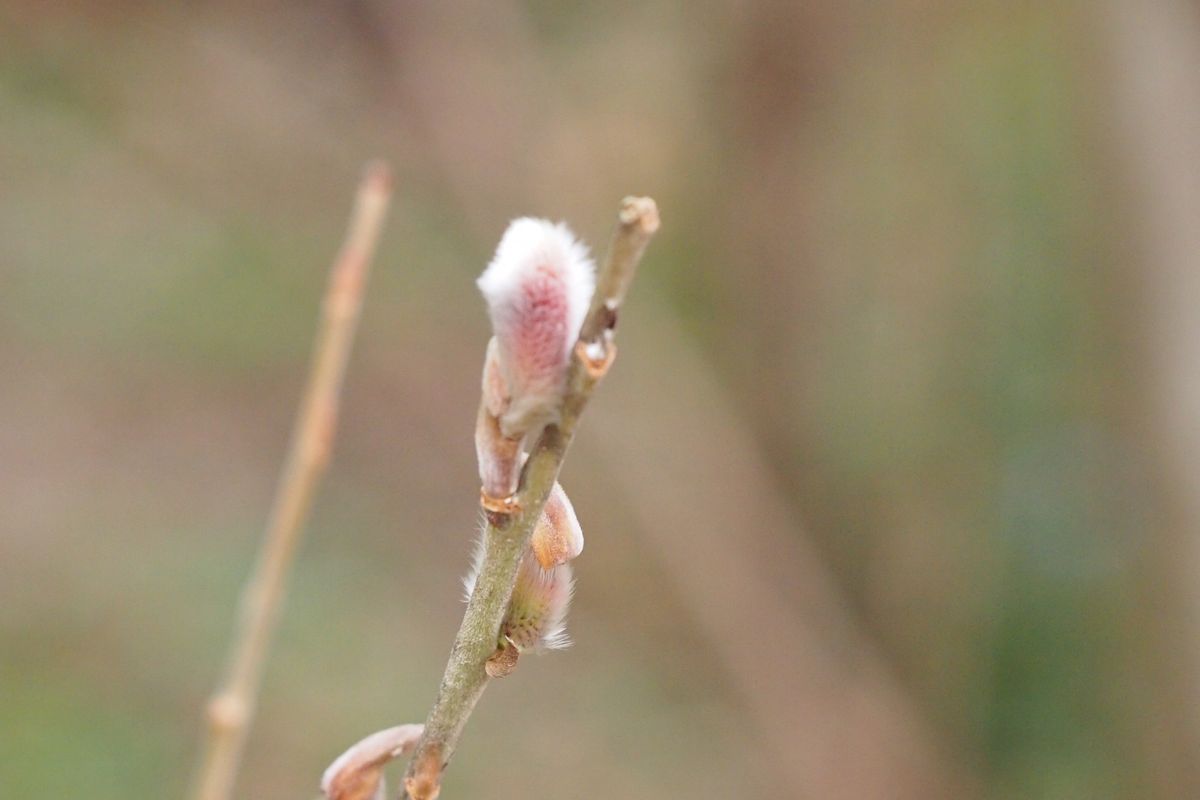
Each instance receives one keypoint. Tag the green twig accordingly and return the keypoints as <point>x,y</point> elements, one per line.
<point>506,536</point>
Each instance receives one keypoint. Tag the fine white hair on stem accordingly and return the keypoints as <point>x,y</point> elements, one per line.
<point>538,288</point>
<point>477,557</point>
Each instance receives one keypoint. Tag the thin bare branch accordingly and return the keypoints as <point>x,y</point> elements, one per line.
<point>1153,57</point>
<point>506,536</point>
<point>232,706</point>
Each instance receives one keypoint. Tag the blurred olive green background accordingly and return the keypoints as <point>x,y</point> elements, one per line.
<point>892,492</point>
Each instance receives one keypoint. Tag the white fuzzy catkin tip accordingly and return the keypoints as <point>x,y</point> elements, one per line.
<point>538,288</point>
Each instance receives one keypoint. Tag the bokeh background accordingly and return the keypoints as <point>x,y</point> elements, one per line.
<point>894,491</point>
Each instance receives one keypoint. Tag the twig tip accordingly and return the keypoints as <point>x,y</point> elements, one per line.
<point>640,211</point>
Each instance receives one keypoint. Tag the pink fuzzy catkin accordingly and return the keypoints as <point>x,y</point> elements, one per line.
<point>537,613</point>
<point>537,287</point>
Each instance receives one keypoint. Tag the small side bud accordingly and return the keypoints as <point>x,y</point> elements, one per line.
<point>597,357</point>
<point>557,537</point>
<point>537,287</point>
<point>502,662</point>
<point>425,782</point>
<point>357,774</point>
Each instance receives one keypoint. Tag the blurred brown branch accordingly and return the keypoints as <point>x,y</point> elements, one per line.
<point>506,536</point>
<point>1154,59</point>
<point>232,706</point>
<point>814,685</point>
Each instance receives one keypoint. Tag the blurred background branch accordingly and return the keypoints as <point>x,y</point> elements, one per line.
<point>1153,63</point>
<point>230,712</point>
<point>815,687</point>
